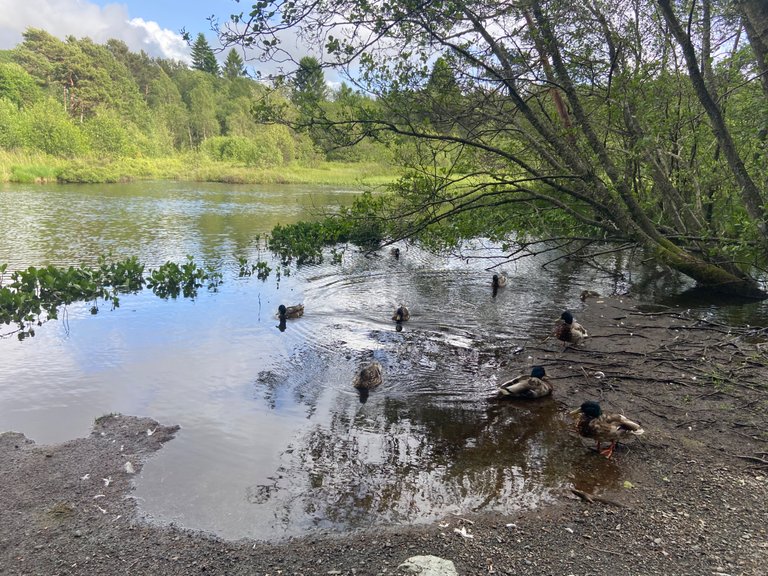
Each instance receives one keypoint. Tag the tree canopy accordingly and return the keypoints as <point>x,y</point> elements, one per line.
<point>76,99</point>
<point>639,123</point>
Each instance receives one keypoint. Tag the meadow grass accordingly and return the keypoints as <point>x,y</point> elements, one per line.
<point>30,168</point>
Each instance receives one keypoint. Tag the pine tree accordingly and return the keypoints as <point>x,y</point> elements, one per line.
<point>233,67</point>
<point>203,57</point>
<point>309,88</point>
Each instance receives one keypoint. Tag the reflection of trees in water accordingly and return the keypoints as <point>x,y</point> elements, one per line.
<point>416,460</point>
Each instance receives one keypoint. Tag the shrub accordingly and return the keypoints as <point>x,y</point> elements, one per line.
<point>46,127</point>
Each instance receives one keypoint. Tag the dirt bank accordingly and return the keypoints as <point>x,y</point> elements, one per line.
<point>694,502</point>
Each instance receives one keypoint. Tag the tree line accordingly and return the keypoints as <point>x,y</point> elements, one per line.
<point>74,98</point>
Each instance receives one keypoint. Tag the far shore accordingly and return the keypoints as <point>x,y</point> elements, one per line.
<point>32,168</point>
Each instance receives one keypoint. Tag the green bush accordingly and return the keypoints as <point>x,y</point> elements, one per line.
<point>46,127</point>
<point>10,136</point>
<point>110,134</point>
<point>238,149</point>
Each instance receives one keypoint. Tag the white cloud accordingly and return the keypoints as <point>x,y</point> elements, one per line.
<point>80,18</point>
<point>170,44</point>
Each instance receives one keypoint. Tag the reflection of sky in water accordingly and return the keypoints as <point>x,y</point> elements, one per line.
<point>274,440</point>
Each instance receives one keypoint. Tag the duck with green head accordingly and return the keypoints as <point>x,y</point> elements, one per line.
<point>595,424</point>
<point>537,385</point>
<point>568,331</point>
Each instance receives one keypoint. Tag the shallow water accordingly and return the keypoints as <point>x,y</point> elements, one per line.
<point>274,441</point>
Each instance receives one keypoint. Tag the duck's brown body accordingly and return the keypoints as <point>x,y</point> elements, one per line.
<point>605,427</point>
<point>537,385</point>
<point>369,376</point>
<point>568,331</point>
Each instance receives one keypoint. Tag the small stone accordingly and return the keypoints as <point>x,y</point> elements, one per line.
<point>429,566</point>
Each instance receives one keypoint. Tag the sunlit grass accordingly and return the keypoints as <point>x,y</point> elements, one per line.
<point>31,168</point>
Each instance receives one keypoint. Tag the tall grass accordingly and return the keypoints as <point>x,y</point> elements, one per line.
<point>34,167</point>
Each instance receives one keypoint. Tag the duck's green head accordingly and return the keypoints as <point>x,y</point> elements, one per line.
<point>567,317</point>
<point>538,372</point>
<point>591,409</point>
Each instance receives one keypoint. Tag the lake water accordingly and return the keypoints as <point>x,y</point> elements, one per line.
<point>274,441</point>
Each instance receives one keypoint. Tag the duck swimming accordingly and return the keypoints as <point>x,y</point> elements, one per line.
<point>537,385</point>
<point>368,377</point>
<point>593,423</point>
<point>401,314</point>
<point>498,281</point>
<point>569,331</point>
<point>290,311</point>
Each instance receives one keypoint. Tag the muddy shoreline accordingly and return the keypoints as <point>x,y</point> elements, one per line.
<point>694,499</point>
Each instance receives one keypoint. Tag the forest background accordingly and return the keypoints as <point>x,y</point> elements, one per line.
<point>76,111</point>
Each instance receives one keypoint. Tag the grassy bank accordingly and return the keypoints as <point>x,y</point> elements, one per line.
<point>30,168</point>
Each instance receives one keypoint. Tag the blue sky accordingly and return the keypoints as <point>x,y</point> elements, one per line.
<point>150,25</point>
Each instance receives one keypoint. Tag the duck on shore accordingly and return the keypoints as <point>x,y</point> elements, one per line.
<point>602,427</point>
<point>537,385</point>
<point>568,331</point>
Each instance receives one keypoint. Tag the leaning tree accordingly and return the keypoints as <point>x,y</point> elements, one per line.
<point>642,123</point>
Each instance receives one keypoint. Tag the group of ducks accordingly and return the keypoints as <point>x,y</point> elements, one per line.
<point>593,423</point>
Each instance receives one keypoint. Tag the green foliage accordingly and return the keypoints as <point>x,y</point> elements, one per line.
<point>110,135</point>
<point>303,242</point>
<point>309,88</point>
<point>171,279</point>
<point>10,129</point>
<point>233,66</point>
<point>47,128</point>
<point>35,295</point>
<point>34,174</point>
<point>17,85</point>
<point>261,269</point>
<point>203,58</point>
<point>258,153</point>
<point>109,110</point>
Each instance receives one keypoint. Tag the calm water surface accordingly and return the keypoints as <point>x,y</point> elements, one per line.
<point>274,441</point>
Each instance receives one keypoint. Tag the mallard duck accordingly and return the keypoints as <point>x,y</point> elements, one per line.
<point>395,252</point>
<point>604,427</point>
<point>401,314</point>
<point>498,281</point>
<point>290,311</point>
<point>588,294</point>
<point>368,377</point>
<point>568,330</point>
<point>537,385</point>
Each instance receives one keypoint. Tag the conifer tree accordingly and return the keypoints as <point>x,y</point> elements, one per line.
<point>233,66</point>
<point>203,57</point>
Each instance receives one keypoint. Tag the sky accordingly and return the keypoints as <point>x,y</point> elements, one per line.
<point>150,25</point>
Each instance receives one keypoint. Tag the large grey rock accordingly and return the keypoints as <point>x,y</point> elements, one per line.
<point>429,566</point>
